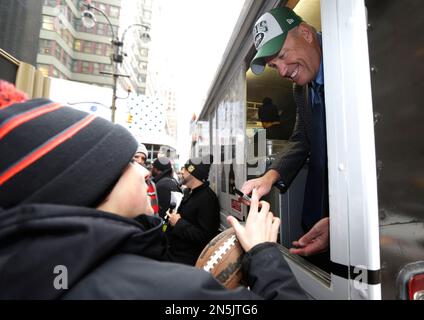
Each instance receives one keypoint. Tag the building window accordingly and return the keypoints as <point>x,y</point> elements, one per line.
<point>147,15</point>
<point>55,72</point>
<point>48,23</point>
<point>98,48</point>
<point>63,57</point>
<point>102,7</point>
<point>143,66</point>
<point>67,36</point>
<point>57,51</point>
<point>44,69</point>
<point>50,3</point>
<point>142,78</point>
<point>76,66</point>
<point>101,29</point>
<point>109,31</point>
<point>108,50</point>
<point>107,68</point>
<point>114,12</point>
<point>78,25</point>
<point>45,47</point>
<point>96,68</point>
<point>85,67</point>
<point>88,47</point>
<point>68,62</point>
<point>77,45</point>
<point>144,52</point>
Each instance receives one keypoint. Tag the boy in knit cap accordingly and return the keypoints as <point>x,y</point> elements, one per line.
<point>141,155</point>
<point>69,191</point>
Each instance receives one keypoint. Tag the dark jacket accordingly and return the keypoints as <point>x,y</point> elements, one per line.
<point>110,257</point>
<point>296,151</point>
<point>164,185</point>
<point>307,141</point>
<point>199,223</point>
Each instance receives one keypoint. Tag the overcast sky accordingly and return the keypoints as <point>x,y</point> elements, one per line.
<point>190,37</point>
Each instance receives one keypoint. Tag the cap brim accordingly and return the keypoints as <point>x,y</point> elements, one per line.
<point>271,48</point>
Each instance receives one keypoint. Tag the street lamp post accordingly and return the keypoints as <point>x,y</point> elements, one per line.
<point>89,20</point>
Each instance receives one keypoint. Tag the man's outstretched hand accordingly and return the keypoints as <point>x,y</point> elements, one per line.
<point>262,185</point>
<point>261,225</point>
<point>315,241</point>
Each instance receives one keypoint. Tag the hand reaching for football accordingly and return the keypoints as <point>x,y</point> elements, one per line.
<point>261,226</point>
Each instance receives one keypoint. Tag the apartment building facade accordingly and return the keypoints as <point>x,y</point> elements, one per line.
<point>137,28</point>
<point>68,50</point>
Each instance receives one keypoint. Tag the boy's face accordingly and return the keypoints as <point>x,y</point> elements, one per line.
<point>129,197</point>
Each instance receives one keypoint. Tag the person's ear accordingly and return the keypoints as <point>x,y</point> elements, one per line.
<point>305,32</point>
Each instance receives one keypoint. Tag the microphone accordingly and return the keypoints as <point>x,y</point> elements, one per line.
<point>172,206</point>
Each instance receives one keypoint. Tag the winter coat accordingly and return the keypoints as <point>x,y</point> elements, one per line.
<point>199,224</point>
<point>64,252</point>
<point>164,186</point>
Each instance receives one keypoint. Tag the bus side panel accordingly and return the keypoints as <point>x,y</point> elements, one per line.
<point>396,45</point>
<point>228,143</point>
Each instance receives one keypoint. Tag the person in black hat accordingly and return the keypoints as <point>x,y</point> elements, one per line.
<point>69,191</point>
<point>197,219</point>
<point>162,173</point>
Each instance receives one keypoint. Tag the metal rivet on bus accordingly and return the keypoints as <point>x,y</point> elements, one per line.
<point>382,214</point>
<point>369,27</point>
<point>377,117</point>
<point>374,69</point>
<point>341,167</point>
<point>379,166</point>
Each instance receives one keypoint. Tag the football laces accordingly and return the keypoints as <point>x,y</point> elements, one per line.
<point>219,253</point>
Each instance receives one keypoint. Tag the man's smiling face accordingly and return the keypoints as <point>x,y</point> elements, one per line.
<point>299,58</point>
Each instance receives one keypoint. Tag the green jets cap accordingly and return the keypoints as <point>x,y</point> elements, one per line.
<point>269,34</point>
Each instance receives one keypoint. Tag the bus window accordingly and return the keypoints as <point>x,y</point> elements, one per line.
<point>270,119</point>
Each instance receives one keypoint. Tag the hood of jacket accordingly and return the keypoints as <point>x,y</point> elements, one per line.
<point>39,243</point>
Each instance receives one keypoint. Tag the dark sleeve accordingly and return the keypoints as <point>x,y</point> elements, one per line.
<point>164,197</point>
<point>295,153</point>
<point>268,274</point>
<point>120,278</point>
<point>207,223</point>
